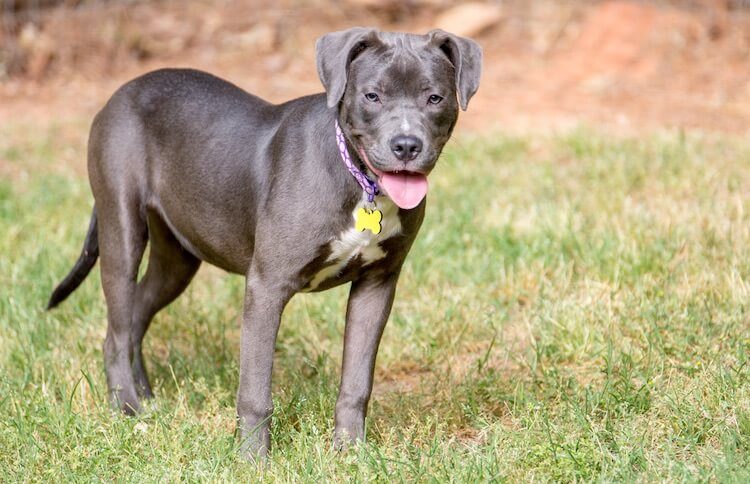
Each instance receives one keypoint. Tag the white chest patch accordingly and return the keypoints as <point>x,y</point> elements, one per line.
<point>353,242</point>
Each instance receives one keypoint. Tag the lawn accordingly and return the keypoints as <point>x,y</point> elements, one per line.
<point>575,308</point>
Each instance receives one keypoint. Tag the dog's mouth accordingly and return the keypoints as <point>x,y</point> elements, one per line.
<point>406,188</point>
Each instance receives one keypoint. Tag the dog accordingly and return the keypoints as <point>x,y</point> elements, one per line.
<point>297,197</point>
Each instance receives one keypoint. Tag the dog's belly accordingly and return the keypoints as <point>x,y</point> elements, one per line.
<point>230,250</point>
<point>354,250</point>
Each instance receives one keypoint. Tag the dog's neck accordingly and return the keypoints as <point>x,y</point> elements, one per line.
<point>369,187</point>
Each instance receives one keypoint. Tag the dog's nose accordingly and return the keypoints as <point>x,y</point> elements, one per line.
<point>406,148</point>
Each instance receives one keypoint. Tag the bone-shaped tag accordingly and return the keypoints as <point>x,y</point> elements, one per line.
<point>368,219</point>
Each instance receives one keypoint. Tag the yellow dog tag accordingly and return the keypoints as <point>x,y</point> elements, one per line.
<point>368,220</point>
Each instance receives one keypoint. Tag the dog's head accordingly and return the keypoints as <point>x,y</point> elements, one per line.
<point>398,97</point>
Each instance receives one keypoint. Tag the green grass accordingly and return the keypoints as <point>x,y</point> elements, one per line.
<point>575,308</point>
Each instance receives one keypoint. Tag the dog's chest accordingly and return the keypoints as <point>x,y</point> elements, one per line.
<point>362,245</point>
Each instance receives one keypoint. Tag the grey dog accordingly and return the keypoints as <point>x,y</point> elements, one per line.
<point>204,171</point>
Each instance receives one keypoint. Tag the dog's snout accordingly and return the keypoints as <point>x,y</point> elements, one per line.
<point>406,148</point>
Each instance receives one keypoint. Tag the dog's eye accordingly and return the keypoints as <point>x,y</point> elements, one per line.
<point>372,97</point>
<point>435,99</point>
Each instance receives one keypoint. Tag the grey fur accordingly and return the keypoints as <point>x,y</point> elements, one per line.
<point>204,171</point>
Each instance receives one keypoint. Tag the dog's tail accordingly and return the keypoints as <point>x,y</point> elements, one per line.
<point>82,267</point>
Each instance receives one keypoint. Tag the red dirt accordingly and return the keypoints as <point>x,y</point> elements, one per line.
<point>622,65</point>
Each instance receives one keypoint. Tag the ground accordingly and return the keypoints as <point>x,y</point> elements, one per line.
<point>575,307</point>
<point>630,66</point>
<point>577,310</point>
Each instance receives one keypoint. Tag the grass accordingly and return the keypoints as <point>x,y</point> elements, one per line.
<point>575,308</point>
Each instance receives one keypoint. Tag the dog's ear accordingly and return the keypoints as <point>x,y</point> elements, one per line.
<point>335,51</point>
<point>466,57</point>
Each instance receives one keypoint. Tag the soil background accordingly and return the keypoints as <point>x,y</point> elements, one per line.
<point>624,66</point>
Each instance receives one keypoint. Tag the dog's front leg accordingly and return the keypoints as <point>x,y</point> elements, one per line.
<point>370,301</point>
<point>264,303</point>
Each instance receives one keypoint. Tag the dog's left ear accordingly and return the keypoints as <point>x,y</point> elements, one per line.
<point>335,51</point>
<point>466,57</point>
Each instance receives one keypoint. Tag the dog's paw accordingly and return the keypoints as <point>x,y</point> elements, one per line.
<point>254,444</point>
<point>345,439</point>
<point>126,401</point>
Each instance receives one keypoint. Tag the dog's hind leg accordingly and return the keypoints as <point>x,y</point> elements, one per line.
<point>170,270</point>
<point>122,239</point>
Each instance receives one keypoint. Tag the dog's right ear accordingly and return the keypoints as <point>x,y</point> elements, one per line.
<point>335,51</point>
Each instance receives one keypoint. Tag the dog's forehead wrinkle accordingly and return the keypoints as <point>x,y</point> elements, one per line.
<point>404,76</point>
<point>400,39</point>
<point>399,68</point>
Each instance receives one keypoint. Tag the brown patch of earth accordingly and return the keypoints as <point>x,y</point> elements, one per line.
<point>626,66</point>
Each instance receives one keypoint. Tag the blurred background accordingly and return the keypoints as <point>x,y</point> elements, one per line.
<point>575,308</point>
<point>628,65</point>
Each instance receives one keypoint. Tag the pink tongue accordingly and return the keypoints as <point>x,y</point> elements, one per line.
<point>405,189</point>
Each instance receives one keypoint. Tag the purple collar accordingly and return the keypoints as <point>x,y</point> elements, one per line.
<point>368,186</point>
